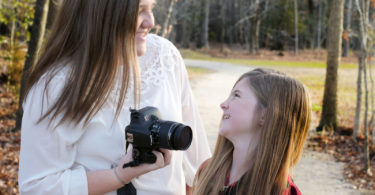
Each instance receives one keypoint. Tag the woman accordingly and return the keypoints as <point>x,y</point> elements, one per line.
<point>265,122</point>
<point>77,104</point>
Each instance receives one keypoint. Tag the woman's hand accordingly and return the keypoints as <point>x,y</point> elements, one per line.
<point>163,158</point>
<point>103,181</point>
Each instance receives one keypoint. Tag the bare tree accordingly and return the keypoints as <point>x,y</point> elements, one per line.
<point>319,27</point>
<point>328,118</point>
<point>254,28</point>
<point>223,18</point>
<point>255,12</point>
<point>166,26</point>
<point>372,88</point>
<point>295,27</point>
<point>347,21</point>
<point>37,35</point>
<point>363,14</point>
<point>204,35</point>
<point>363,10</point>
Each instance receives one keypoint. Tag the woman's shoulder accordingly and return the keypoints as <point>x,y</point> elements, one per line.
<point>161,55</point>
<point>56,75</point>
<point>165,46</point>
<point>158,39</point>
<point>49,85</point>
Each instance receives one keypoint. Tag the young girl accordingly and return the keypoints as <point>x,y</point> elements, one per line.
<point>265,122</point>
<point>77,103</point>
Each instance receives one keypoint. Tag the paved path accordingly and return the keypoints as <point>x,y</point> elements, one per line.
<point>317,173</point>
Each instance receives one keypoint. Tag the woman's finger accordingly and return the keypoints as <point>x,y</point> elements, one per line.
<point>167,156</point>
<point>129,149</point>
<point>159,159</point>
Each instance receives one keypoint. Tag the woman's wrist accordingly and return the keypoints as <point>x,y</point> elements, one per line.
<point>129,173</point>
<point>118,177</point>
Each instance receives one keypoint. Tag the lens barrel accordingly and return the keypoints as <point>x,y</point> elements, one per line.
<point>173,135</point>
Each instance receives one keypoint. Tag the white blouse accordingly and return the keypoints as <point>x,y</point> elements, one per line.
<point>55,160</point>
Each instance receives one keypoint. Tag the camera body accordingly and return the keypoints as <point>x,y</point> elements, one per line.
<point>147,132</point>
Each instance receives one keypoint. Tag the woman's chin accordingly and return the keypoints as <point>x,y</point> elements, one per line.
<point>141,51</point>
<point>141,48</point>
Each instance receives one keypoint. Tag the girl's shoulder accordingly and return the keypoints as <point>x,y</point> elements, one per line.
<point>292,188</point>
<point>203,165</point>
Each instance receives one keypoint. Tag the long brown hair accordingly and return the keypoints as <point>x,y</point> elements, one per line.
<point>95,38</point>
<point>287,108</point>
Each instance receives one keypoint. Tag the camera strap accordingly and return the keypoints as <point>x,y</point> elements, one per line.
<point>133,163</point>
<point>127,189</point>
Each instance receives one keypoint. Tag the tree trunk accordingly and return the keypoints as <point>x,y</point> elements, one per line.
<point>36,40</point>
<point>204,35</point>
<point>186,29</point>
<point>328,118</point>
<point>231,30</point>
<point>319,27</point>
<point>366,129</point>
<point>12,41</point>
<point>363,14</point>
<point>254,27</point>
<point>165,29</point>
<point>356,129</point>
<point>363,22</point>
<point>311,27</point>
<point>241,37</point>
<point>346,39</point>
<point>295,27</point>
<point>254,33</point>
<point>185,35</point>
<point>372,118</point>
<point>223,18</point>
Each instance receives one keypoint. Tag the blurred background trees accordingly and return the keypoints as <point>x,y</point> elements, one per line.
<point>250,24</point>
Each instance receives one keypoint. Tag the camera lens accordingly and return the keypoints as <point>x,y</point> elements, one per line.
<point>172,135</point>
<point>182,137</point>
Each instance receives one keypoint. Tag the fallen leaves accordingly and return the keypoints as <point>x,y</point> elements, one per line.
<point>9,143</point>
<point>345,149</point>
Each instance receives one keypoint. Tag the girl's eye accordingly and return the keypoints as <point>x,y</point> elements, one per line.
<point>236,95</point>
<point>145,12</point>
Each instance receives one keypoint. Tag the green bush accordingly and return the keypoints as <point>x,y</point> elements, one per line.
<point>17,16</point>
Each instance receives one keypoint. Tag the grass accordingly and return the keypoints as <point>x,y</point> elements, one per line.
<point>196,72</point>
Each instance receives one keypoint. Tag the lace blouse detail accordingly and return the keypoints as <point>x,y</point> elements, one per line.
<point>160,59</point>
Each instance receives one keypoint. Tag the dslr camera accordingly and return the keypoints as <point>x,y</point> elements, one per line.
<point>147,132</point>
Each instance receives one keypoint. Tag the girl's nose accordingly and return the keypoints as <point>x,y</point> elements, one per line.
<point>224,105</point>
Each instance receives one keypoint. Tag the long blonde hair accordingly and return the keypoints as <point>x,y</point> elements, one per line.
<point>287,106</point>
<point>93,37</point>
